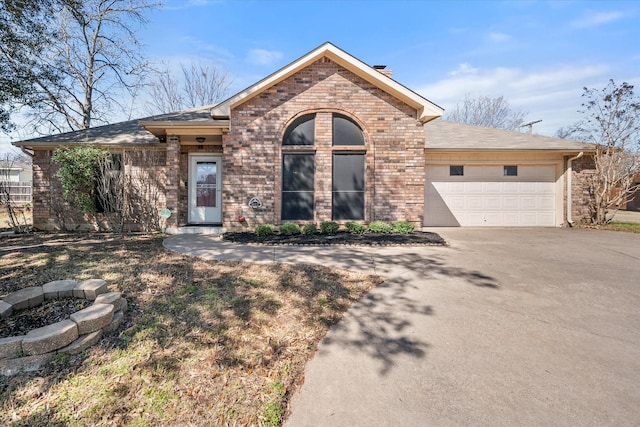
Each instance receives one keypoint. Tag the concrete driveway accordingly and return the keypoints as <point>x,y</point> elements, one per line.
<point>504,327</point>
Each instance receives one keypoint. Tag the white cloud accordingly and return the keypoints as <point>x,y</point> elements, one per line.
<point>593,19</point>
<point>550,94</point>
<point>263,56</point>
<point>463,69</point>
<point>499,37</point>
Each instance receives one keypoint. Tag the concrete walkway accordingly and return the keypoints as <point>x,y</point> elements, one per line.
<point>504,327</point>
<point>627,216</point>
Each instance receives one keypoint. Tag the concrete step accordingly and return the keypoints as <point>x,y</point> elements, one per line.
<point>196,229</point>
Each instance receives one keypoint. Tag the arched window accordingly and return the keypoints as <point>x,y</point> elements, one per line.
<point>298,171</point>
<point>346,132</point>
<point>301,131</point>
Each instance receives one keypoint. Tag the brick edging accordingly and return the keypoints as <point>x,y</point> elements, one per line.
<point>25,353</point>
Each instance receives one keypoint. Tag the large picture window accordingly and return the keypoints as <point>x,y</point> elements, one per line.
<point>298,173</point>
<point>348,186</point>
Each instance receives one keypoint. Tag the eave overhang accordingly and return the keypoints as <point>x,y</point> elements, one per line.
<point>163,128</point>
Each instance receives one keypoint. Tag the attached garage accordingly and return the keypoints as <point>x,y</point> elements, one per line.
<point>484,177</point>
<point>492,195</point>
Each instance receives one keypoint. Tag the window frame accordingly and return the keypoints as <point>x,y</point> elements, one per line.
<point>285,189</point>
<point>454,172</point>
<point>508,170</point>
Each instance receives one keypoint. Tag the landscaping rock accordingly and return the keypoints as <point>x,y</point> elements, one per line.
<point>59,289</point>
<point>90,289</point>
<point>113,298</point>
<point>6,309</point>
<point>25,298</point>
<point>115,323</point>
<point>50,338</point>
<point>10,346</point>
<point>93,318</point>
<point>82,343</point>
<point>124,304</point>
<point>10,367</point>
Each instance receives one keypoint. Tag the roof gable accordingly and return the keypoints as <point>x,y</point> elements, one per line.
<point>427,110</point>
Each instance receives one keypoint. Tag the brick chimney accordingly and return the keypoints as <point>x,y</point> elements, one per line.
<point>383,70</point>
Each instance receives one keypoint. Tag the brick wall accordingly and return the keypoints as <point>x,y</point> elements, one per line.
<point>394,146</point>
<point>582,171</point>
<point>51,212</point>
<point>41,188</point>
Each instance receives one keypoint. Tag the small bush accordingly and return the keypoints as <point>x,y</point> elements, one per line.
<point>403,227</point>
<point>289,229</point>
<point>380,227</point>
<point>265,229</point>
<point>329,227</point>
<point>309,229</point>
<point>355,227</point>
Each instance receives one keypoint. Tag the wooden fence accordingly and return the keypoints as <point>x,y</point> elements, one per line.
<point>19,192</point>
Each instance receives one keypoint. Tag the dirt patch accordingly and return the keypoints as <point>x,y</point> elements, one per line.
<point>339,238</point>
<point>52,311</point>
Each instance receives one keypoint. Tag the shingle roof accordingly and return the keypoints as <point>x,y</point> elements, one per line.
<point>445,135</point>
<point>122,133</point>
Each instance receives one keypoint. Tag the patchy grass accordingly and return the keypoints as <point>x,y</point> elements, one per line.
<point>629,227</point>
<point>203,342</point>
<point>5,224</point>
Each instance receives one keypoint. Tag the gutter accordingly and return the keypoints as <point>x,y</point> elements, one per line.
<point>569,170</point>
<point>26,151</point>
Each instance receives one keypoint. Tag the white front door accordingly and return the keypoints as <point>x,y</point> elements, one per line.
<point>205,189</point>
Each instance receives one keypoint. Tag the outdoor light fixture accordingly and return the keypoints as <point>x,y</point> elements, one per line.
<point>200,139</point>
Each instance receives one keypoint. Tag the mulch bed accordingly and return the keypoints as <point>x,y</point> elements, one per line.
<point>52,311</point>
<point>340,238</point>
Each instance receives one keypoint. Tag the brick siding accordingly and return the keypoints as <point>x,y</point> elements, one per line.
<point>394,138</point>
<point>582,171</point>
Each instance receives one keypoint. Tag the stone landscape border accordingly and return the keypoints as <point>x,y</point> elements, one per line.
<point>25,353</point>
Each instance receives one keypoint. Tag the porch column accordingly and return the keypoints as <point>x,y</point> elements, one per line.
<point>173,184</point>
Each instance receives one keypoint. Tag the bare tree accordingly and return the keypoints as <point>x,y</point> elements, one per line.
<point>200,84</point>
<point>612,124</point>
<point>487,111</point>
<point>97,54</point>
<point>130,189</point>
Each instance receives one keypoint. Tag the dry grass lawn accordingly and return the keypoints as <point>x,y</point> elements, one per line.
<point>203,342</point>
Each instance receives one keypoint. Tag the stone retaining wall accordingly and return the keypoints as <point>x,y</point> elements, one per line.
<point>83,329</point>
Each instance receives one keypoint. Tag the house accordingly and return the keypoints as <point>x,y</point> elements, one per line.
<point>15,179</point>
<point>328,137</point>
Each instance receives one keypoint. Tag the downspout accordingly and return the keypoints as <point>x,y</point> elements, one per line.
<point>569,171</point>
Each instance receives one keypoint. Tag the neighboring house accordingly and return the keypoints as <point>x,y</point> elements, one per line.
<point>329,137</point>
<point>16,177</point>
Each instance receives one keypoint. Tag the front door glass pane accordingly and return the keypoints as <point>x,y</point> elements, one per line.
<point>206,184</point>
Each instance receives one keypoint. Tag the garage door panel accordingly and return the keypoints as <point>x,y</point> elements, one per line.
<point>510,202</point>
<point>546,203</point>
<point>484,197</point>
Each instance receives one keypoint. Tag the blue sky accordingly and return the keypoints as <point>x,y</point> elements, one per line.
<point>538,54</point>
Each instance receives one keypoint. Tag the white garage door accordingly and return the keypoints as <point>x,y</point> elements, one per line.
<point>483,196</point>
